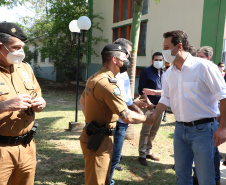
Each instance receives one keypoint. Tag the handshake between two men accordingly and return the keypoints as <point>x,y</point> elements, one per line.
<point>151,117</point>
<point>134,115</point>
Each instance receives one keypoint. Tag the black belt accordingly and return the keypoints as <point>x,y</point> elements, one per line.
<point>197,122</point>
<point>23,139</point>
<point>94,128</point>
<point>110,132</point>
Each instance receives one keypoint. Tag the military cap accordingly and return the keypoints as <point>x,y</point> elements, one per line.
<point>114,47</point>
<point>13,30</point>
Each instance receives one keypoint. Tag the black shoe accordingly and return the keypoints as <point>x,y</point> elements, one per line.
<point>119,167</point>
<point>173,167</point>
<point>143,161</point>
<point>164,119</point>
<point>195,181</point>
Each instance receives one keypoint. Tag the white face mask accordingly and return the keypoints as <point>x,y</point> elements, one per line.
<point>221,69</point>
<point>158,64</point>
<point>15,57</point>
<point>167,54</point>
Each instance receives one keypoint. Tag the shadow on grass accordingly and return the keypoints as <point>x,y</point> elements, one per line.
<point>59,158</point>
<point>154,173</point>
<point>57,107</point>
<point>58,166</point>
<point>171,135</point>
<point>47,130</point>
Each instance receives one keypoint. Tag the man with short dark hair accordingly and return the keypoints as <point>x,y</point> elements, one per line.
<point>192,88</point>
<point>102,105</point>
<point>20,97</point>
<point>150,78</point>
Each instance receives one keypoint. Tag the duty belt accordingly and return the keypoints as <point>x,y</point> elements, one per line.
<point>197,122</point>
<point>110,132</point>
<point>23,139</point>
<point>93,128</point>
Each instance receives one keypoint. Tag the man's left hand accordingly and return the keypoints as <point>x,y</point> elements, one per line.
<point>147,91</point>
<point>219,136</point>
<point>38,104</point>
<point>140,103</point>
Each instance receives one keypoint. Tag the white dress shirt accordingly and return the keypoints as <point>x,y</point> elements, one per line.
<point>193,93</point>
<point>124,85</point>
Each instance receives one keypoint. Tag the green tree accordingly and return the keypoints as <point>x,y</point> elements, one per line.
<point>58,43</point>
<point>134,38</point>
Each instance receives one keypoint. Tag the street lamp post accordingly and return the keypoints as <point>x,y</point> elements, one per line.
<point>82,24</point>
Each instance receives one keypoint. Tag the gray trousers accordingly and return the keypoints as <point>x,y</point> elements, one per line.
<point>147,135</point>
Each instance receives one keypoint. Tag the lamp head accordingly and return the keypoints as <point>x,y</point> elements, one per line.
<point>84,23</point>
<point>73,26</point>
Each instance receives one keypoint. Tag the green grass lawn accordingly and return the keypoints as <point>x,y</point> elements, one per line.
<point>60,159</point>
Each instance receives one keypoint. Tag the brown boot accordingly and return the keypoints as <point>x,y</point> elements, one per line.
<point>152,157</point>
<point>143,161</point>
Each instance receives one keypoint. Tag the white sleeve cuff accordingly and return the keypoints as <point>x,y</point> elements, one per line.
<point>220,95</point>
<point>164,101</point>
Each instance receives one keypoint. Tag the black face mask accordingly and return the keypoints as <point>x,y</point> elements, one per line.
<point>126,65</point>
<point>129,58</point>
<point>167,67</point>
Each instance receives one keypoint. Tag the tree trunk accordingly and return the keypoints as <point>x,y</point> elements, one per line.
<point>134,38</point>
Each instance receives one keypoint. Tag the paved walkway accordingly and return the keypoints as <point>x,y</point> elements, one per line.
<point>222,149</point>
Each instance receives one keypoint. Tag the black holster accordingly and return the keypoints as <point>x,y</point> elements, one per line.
<point>96,134</point>
<point>95,141</point>
<point>31,134</point>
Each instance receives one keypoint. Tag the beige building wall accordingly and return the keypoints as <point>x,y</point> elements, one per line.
<point>46,62</point>
<point>105,9</point>
<point>44,68</point>
<point>165,16</point>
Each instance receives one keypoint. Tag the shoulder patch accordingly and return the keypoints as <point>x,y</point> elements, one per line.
<point>116,91</point>
<point>111,80</point>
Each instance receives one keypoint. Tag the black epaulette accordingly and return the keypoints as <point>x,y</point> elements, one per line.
<point>111,80</point>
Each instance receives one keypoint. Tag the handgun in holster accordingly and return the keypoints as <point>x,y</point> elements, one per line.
<point>31,134</point>
<point>96,134</point>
